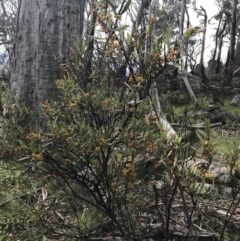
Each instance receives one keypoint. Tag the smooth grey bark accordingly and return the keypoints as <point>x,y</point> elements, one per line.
<point>187,42</point>
<point>233,30</point>
<point>220,34</point>
<point>216,45</point>
<point>181,23</point>
<point>45,30</point>
<point>237,55</point>
<point>204,14</point>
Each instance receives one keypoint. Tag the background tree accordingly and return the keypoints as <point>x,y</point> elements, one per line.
<point>202,12</point>
<point>45,31</point>
<point>222,31</point>
<point>7,21</point>
<point>8,12</point>
<point>233,30</point>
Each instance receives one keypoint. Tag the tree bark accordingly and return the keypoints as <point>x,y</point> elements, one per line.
<point>220,36</point>
<point>233,30</point>
<point>181,23</point>
<point>211,68</point>
<point>204,14</point>
<point>45,30</point>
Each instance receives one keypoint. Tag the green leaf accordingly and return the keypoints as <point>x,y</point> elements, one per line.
<point>5,145</point>
<point>194,170</point>
<point>49,134</point>
<point>128,86</point>
<point>150,29</point>
<point>138,44</point>
<point>112,4</point>
<point>129,38</point>
<point>32,147</point>
<point>121,28</point>
<point>202,184</point>
<point>207,127</point>
<point>175,162</point>
<point>200,135</point>
<point>188,33</point>
<point>126,7</point>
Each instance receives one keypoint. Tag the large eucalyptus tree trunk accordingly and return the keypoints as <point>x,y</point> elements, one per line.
<point>45,30</point>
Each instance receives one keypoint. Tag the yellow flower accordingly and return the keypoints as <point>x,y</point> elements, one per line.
<point>94,10</point>
<point>209,176</point>
<point>131,79</point>
<point>106,17</point>
<point>105,102</point>
<point>97,148</point>
<point>86,95</point>
<point>73,105</point>
<point>102,142</point>
<point>129,165</point>
<point>37,157</point>
<point>80,63</point>
<point>158,59</point>
<point>130,144</point>
<point>35,136</point>
<point>118,16</point>
<point>139,79</point>
<point>116,45</point>
<point>124,173</point>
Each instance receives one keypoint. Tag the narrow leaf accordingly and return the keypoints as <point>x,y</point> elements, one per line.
<point>129,38</point>
<point>203,183</point>
<point>112,4</point>
<point>121,28</point>
<point>199,135</point>
<point>207,128</point>
<point>150,29</point>
<point>126,7</point>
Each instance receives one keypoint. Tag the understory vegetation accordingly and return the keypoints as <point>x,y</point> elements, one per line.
<point>104,166</point>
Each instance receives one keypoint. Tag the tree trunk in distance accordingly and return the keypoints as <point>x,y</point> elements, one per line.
<point>237,55</point>
<point>45,29</point>
<point>203,44</point>
<point>211,68</point>
<point>233,30</point>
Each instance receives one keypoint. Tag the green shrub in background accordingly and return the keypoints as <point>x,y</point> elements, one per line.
<point>91,172</point>
<point>85,161</point>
